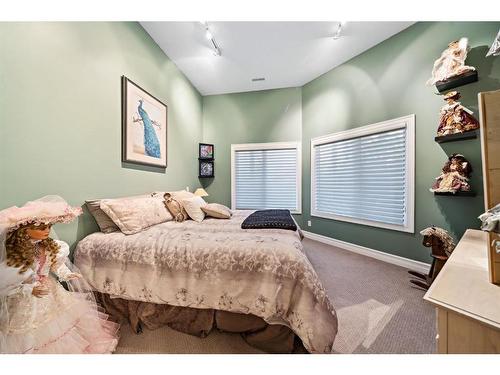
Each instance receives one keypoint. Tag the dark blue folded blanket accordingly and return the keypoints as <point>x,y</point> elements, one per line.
<point>270,219</point>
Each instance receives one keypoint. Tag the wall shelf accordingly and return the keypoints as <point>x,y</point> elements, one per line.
<point>456,137</point>
<point>461,80</point>
<point>457,194</point>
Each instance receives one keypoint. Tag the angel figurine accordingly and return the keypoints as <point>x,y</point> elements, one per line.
<point>454,176</point>
<point>454,117</point>
<point>452,62</point>
<point>37,314</point>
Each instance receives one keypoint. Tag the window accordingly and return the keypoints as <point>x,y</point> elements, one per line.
<point>366,175</point>
<point>266,176</point>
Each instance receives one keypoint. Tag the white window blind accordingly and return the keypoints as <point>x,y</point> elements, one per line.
<point>266,176</point>
<point>366,175</point>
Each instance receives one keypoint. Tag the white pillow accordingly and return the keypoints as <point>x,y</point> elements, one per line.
<point>135,215</point>
<point>193,208</point>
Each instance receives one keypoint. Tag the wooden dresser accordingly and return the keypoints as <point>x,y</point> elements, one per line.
<point>489,110</point>
<point>467,304</point>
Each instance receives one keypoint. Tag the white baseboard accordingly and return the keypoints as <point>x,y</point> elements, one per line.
<point>385,257</point>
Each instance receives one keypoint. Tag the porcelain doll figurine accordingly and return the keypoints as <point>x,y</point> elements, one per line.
<point>452,62</point>
<point>495,47</point>
<point>454,176</point>
<point>491,219</point>
<point>37,314</point>
<point>454,117</point>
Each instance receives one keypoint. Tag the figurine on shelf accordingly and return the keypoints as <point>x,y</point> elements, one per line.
<point>491,219</point>
<point>37,314</point>
<point>454,176</point>
<point>442,245</point>
<point>454,117</point>
<point>452,62</point>
<point>495,47</point>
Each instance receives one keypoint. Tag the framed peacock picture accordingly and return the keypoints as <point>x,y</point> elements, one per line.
<point>144,126</point>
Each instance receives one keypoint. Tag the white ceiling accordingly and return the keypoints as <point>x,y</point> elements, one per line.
<point>286,54</point>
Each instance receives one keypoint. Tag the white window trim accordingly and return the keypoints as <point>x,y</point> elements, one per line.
<point>268,146</point>
<point>398,123</point>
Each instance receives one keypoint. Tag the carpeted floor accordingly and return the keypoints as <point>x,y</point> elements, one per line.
<point>378,311</point>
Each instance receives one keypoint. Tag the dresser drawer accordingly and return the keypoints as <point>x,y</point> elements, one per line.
<point>442,333</point>
<point>468,336</point>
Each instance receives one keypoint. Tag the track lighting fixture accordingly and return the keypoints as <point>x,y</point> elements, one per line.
<point>340,25</point>
<point>211,39</point>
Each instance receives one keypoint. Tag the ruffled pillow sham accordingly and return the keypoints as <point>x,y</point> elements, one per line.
<point>135,215</point>
<point>104,222</point>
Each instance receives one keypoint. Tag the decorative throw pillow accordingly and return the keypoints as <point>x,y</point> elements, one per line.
<point>193,208</point>
<point>175,208</point>
<point>217,210</point>
<point>178,195</point>
<point>135,215</point>
<point>106,225</point>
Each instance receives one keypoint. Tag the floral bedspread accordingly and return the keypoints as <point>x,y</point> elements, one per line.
<point>215,264</point>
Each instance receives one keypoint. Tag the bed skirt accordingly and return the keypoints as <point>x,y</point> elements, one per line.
<point>200,322</point>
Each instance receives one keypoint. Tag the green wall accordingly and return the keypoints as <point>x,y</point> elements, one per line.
<point>60,126</point>
<point>385,82</point>
<point>252,117</point>
<point>60,122</point>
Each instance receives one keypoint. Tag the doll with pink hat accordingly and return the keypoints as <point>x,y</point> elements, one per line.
<point>38,314</point>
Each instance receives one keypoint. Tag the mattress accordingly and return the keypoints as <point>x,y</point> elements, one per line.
<point>215,265</point>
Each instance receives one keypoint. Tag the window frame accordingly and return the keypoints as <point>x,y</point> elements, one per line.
<point>407,122</point>
<point>268,146</point>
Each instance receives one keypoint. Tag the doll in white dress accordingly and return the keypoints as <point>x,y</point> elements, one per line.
<point>451,63</point>
<point>37,314</point>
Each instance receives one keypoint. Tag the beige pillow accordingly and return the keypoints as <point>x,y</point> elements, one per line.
<point>217,210</point>
<point>106,225</point>
<point>135,215</point>
<point>193,208</point>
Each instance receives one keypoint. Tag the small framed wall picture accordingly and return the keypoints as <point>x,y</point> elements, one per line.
<point>206,169</point>
<point>144,126</point>
<point>206,151</point>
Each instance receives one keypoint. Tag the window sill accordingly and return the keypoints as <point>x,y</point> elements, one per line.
<point>375,224</point>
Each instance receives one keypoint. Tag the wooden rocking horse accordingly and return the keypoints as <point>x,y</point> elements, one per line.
<point>442,245</point>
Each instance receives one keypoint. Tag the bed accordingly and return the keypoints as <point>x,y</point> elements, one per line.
<point>214,265</point>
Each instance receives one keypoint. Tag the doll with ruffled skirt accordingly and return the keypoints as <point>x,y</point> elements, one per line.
<point>37,314</point>
<point>454,176</point>
<point>454,117</point>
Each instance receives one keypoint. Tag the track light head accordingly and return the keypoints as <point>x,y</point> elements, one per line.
<point>340,25</point>
<point>211,39</point>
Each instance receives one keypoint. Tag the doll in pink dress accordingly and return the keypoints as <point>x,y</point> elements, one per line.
<point>37,314</point>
